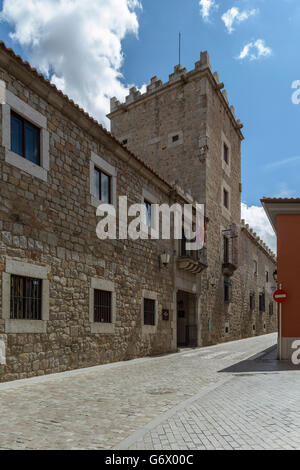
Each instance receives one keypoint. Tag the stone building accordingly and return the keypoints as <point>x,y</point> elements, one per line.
<point>70,300</point>
<point>186,130</point>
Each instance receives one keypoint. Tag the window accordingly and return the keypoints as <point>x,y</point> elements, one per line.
<point>149,311</point>
<point>227,290</point>
<point>252,300</point>
<point>148,213</point>
<point>253,327</point>
<point>102,306</point>
<point>125,141</point>
<point>226,154</point>
<point>271,308</point>
<point>25,138</point>
<point>25,298</point>
<point>225,198</point>
<point>255,268</point>
<point>103,181</point>
<point>262,306</point>
<point>102,190</point>
<point>267,276</point>
<point>226,249</point>
<point>175,138</point>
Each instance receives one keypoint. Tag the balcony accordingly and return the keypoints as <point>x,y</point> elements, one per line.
<point>193,261</point>
<point>228,269</point>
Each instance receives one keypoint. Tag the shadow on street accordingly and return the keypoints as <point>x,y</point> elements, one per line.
<point>265,361</point>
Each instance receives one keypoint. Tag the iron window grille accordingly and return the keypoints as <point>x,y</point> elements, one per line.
<point>149,312</point>
<point>227,290</point>
<point>226,249</point>
<point>102,306</point>
<point>25,138</point>
<point>102,190</point>
<point>262,302</point>
<point>25,298</point>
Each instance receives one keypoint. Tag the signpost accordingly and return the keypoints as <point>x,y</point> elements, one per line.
<point>280,296</point>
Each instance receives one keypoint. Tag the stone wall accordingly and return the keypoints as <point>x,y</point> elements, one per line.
<point>52,224</point>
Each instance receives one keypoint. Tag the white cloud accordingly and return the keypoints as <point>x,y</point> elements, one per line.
<point>77,44</point>
<point>256,217</point>
<point>255,50</point>
<point>234,15</point>
<point>280,163</point>
<point>206,7</point>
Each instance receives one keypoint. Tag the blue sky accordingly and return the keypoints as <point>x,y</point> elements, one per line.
<point>259,89</point>
<point>140,40</point>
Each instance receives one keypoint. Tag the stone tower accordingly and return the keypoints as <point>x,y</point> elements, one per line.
<point>186,130</point>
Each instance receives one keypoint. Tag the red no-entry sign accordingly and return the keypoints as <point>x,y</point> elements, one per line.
<point>280,296</point>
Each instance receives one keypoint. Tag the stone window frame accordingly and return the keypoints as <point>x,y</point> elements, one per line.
<point>98,162</point>
<point>149,329</point>
<point>22,268</point>
<point>177,142</point>
<point>11,102</point>
<point>226,212</point>
<point>226,166</point>
<point>109,286</point>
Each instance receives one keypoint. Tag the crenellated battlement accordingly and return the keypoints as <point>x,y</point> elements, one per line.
<point>179,74</point>
<point>257,239</point>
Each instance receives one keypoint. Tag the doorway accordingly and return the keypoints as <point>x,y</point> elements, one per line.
<point>187,330</point>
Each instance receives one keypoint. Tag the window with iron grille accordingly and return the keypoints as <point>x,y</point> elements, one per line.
<point>262,302</point>
<point>102,306</point>
<point>149,312</point>
<point>25,138</point>
<point>102,190</point>
<point>25,298</point>
<point>226,249</point>
<point>252,300</point>
<point>227,290</point>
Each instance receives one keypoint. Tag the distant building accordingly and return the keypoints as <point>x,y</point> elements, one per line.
<point>284,215</point>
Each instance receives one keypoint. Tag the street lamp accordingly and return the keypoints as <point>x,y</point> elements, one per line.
<point>164,259</point>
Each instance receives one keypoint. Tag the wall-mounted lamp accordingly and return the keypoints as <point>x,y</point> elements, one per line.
<point>164,260</point>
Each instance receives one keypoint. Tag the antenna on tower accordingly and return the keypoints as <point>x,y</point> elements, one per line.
<point>179,48</point>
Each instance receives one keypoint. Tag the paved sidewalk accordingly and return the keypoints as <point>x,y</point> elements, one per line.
<point>177,401</point>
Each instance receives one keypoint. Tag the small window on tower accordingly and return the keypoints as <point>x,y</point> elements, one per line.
<point>226,154</point>
<point>175,138</point>
<point>125,141</point>
<point>226,198</point>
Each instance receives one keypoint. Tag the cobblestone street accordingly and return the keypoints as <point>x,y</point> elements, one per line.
<point>229,396</point>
